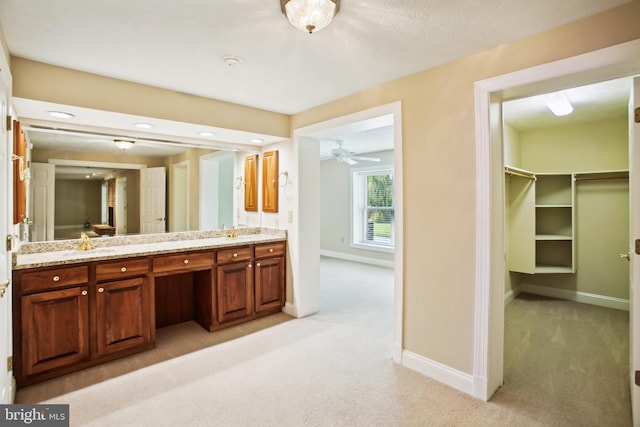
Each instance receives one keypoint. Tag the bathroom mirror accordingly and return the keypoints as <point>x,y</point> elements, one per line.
<point>88,183</point>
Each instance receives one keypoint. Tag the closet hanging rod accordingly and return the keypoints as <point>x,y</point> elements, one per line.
<point>518,173</point>
<point>599,178</point>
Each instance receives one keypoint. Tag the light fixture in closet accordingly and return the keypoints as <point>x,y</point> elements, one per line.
<point>558,103</point>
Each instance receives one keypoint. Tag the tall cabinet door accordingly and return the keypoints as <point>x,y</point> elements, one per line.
<point>269,281</point>
<point>522,224</point>
<point>55,329</point>
<point>122,314</point>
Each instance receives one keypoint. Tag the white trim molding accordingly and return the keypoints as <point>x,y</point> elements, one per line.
<point>358,258</point>
<point>577,296</point>
<point>439,372</point>
<point>604,64</point>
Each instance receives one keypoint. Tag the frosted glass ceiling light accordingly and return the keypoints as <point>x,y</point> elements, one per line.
<point>310,15</point>
<point>123,143</point>
<point>558,103</point>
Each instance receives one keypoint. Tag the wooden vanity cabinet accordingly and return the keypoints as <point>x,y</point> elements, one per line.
<point>54,330</point>
<point>123,305</point>
<point>269,277</point>
<point>234,284</point>
<point>74,316</point>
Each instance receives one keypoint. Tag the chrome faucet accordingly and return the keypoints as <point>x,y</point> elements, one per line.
<point>85,244</point>
<point>232,232</point>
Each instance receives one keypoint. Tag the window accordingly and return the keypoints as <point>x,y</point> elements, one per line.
<point>373,208</point>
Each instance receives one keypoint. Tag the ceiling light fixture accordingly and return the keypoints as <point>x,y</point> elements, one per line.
<point>143,125</point>
<point>257,140</point>
<point>61,114</point>
<point>123,143</point>
<point>206,134</point>
<point>231,61</point>
<point>310,15</point>
<point>558,103</point>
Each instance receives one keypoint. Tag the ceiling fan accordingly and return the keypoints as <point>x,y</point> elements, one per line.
<point>345,156</point>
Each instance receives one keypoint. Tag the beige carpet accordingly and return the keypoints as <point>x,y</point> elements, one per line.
<point>330,369</point>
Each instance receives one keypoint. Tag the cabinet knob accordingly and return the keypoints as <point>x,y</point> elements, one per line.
<point>249,266</point>
<point>56,278</point>
<point>186,261</point>
<point>235,255</point>
<point>123,269</point>
<point>100,289</point>
<point>84,292</point>
<point>270,249</point>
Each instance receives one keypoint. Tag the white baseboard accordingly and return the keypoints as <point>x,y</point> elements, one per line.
<point>290,309</point>
<point>583,297</point>
<point>439,372</point>
<point>357,258</point>
<point>511,295</point>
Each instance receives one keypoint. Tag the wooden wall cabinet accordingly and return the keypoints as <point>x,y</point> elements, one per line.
<point>270,170</point>
<point>251,183</point>
<point>19,168</point>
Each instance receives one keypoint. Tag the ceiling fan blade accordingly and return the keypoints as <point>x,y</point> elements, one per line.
<point>350,161</point>
<point>369,159</point>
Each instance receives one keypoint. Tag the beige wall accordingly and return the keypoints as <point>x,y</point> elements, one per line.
<point>76,202</point>
<point>438,132</point>
<point>35,80</point>
<point>335,206</point>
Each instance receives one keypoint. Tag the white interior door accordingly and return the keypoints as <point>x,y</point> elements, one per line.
<point>634,202</point>
<point>6,196</point>
<point>152,200</point>
<point>42,194</point>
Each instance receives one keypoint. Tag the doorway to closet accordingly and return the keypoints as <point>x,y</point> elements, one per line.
<point>566,242</point>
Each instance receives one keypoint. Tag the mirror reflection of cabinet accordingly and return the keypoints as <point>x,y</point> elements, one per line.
<point>251,183</point>
<point>270,181</point>
<point>19,173</point>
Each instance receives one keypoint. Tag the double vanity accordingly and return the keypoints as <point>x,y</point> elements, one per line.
<point>76,308</point>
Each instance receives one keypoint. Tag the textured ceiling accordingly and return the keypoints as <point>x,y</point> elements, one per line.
<point>180,45</point>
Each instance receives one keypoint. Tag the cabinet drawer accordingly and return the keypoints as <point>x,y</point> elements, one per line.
<point>270,249</point>
<point>234,254</point>
<point>183,261</point>
<point>121,269</point>
<point>54,278</point>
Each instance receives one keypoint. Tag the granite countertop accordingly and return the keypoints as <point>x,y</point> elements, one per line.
<point>44,254</point>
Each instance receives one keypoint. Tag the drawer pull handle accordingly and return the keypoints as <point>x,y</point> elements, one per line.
<point>123,269</point>
<point>84,292</point>
<point>270,249</point>
<point>100,289</point>
<point>257,264</point>
<point>56,278</point>
<point>235,254</point>
<point>186,261</point>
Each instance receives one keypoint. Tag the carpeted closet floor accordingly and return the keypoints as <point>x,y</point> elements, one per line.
<point>565,365</point>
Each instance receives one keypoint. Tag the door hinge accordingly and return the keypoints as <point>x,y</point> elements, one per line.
<point>9,363</point>
<point>9,243</point>
<point>637,115</point>
<point>637,246</point>
<point>10,123</point>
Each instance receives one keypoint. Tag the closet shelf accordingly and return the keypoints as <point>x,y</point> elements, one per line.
<point>553,206</point>
<point>553,237</point>
<point>553,269</point>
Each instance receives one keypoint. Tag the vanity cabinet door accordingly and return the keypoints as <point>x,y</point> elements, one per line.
<point>235,291</point>
<point>123,318</point>
<point>55,329</point>
<point>269,283</point>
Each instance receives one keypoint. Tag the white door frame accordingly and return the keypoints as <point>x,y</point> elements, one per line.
<point>304,237</point>
<point>605,64</point>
